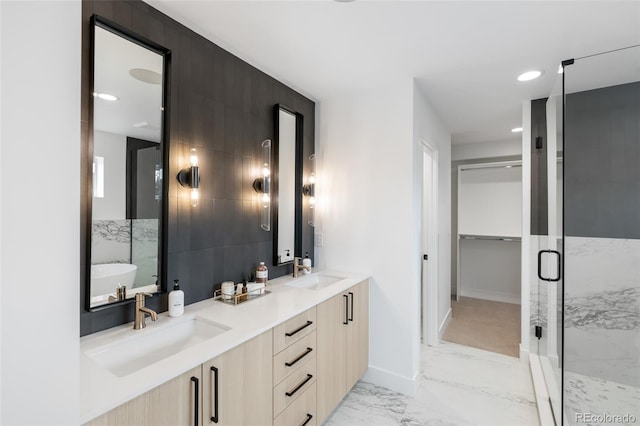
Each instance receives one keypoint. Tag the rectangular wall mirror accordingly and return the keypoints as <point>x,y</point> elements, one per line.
<point>127,154</point>
<point>287,217</point>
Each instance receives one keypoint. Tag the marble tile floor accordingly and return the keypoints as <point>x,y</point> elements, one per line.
<point>458,385</point>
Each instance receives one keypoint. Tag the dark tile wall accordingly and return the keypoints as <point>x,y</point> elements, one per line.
<point>224,108</point>
<point>539,193</point>
<point>602,162</point>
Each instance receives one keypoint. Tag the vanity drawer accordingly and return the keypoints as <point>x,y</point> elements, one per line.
<point>294,357</point>
<point>293,330</point>
<point>291,388</point>
<point>302,411</point>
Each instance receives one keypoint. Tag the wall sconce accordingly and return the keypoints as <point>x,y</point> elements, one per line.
<point>262,185</point>
<point>308,190</point>
<point>188,177</point>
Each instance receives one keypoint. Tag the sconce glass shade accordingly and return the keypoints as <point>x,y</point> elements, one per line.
<point>189,177</point>
<point>262,185</point>
<point>309,189</point>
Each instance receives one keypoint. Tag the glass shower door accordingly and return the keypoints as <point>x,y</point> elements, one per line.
<point>601,364</point>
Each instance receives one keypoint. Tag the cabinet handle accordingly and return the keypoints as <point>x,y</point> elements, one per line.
<point>196,409</point>
<point>214,371</point>
<point>305,353</point>
<point>301,384</point>
<point>346,309</point>
<point>299,329</point>
<point>307,420</point>
<point>351,317</point>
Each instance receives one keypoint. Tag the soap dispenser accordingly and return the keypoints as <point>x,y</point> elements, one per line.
<point>176,300</point>
<point>306,262</point>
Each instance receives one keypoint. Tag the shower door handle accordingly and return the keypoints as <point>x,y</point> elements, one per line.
<point>540,253</point>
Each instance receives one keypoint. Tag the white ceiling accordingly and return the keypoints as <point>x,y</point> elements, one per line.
<point>137,112</point>
<point>465,56</point>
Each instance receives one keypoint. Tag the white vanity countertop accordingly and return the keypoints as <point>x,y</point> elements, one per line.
<point>101,391</point>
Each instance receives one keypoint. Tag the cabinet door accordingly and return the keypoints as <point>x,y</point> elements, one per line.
<point>237,385</point>
<point>331,335</point>
<point>357,347</point>
<point>170,404</point>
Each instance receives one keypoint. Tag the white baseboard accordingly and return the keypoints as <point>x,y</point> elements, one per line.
<point>444,324</point>
<point>540,389</point>
<point>524,354</point>
<point>496,296</point>
<point>392,381</point>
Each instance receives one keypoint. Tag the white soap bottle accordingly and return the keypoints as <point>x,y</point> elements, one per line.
<point>306,262</point>
<point>176,300</point>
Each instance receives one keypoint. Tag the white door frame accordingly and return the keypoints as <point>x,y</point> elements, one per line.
<point>429,270</point>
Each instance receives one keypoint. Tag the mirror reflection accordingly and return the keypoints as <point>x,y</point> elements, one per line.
<point>285,241</point>
<point>127,168</point>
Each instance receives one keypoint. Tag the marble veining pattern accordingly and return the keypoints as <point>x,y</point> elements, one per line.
<point>111,230</point>
<point>458,385</point>
<point>612,310</point>
<point>584,394</point>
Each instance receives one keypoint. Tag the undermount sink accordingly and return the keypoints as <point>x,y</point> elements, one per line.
<point>145,347</point>
<point>314,281</point>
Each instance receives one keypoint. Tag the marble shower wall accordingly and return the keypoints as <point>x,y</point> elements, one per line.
<point>127,241</point>
<point>602,308</point>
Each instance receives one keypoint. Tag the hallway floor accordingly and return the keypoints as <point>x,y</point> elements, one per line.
<point>485,324</point>
<point>458,385</point>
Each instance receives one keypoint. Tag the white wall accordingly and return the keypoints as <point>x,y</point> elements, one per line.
<point>528,241</point>
<point>365,214</point>
<point>39,222</point>
<point>465,151</point>
<point>427,126</point>
<point>113,148</point>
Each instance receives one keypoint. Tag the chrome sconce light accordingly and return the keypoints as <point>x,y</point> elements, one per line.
<point>309,188</point>
<point>188,177</point>
<point>262,185</point>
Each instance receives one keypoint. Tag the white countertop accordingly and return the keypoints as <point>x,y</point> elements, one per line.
<point>101,391</point>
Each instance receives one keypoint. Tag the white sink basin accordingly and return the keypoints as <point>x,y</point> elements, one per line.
<point>314,281</point>
<point>144,347</point>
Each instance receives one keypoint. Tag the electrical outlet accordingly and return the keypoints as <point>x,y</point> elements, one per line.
<point>317,239</point>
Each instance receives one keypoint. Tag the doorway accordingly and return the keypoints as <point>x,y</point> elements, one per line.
<point>429,279</point>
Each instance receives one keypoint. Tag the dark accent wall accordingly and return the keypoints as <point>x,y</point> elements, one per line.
<point>224,108</point>
<point>602,162</point>
<point>539,192</point>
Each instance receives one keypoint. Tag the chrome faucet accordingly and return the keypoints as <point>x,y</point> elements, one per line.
<point>297,266</point>
<point>142,311</point>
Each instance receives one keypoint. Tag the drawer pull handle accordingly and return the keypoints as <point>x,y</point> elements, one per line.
<point>346,309</point>
<point>301,384</point>
<point>307,420</point>
<point>297,330</point>
<point>214,371</point>
<point>196,408</point>
<point>305,353</point>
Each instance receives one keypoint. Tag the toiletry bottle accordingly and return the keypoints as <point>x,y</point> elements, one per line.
<point>262,274</point>
<point>306,262</point>
<point>245,295</point>
<point>176,300</point>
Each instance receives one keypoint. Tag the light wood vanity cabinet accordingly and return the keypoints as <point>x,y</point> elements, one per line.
<point>173,403</point>
<point>343,342</point>
<point>237,385</point>
<point>294,374</point>
<point>295,370</point>
<point>232,389</point>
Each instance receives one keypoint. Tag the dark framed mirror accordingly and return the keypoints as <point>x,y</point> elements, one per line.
<point>287,185</point>
<point>127,158</point>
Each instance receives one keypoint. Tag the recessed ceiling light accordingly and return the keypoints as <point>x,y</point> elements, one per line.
<point>516,129</point>
<point>105,96</point>
<point>529,75</point>
<point>146,76</point>
<point>343,1</point>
